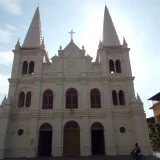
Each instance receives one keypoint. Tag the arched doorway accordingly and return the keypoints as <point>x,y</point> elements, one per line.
<point>97,139</point>
<point>71,146</point>
<point>45,140</point>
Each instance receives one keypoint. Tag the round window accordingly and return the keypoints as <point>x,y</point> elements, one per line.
<point>20,132</point>
<point>122,130</point>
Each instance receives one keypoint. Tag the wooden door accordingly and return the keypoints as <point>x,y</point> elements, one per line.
<point>71,142</point>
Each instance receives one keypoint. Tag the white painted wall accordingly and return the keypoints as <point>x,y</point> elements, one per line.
<point>72,69</point>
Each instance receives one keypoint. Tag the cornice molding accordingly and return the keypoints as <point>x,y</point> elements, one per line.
<point>53,78</point>
<point>50,114</point>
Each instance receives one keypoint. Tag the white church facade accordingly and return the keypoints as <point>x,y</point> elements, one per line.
<point>70,105</point>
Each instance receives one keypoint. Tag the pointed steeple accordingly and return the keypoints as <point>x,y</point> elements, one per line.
<point>34,34</point>
<point>110,36</point>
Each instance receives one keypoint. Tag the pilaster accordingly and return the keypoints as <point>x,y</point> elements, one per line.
<point>127,64</point>
<point>130,90</point>
<point>110,136</point>
<point>16,64</point>
<point>33,137</point>
<point>140,130</point>
<point>57,137</point>
<point>106,95</point>
<point>84,96</point>
<point>59,96</point>
<point>4,126</point>
<point>85,137</point>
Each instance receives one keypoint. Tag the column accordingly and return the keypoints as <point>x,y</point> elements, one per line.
<point>127,64</point>
<point>85,137</point>
<point>109,136</point>
<point>103,59</point>
<point>3,131</point>
<point>34,130</point>
<point>83,99</point>
<point>39,64</point>
<point>131,92</point>
<point>59,97</point>
<point>17,67</point>
<point>106,95</point>
<point>141,131</point>
<point>57,137</point>
<point>12,94</point>
<point>32,150</point>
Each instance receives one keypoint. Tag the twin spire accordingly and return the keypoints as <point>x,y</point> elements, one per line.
<point>34,34</point>
<point>110,36</point>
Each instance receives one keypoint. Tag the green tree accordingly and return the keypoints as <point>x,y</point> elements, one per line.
<point>154,134</point>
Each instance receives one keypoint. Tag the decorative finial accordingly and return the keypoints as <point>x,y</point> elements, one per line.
<point>138,98</point>
<point>71,33</point>
<point>60,48</point>
<point>125,43</point>
<point>100,43</point>
<point>18,44</point>
<point>82,47</point>
<point>43,45</point>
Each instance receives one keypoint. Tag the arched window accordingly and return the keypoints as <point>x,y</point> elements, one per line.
<point>47,99</point>
<point>21,99</point>
<point>31,67</point>
<point>28,99</point>
<point>114,97</point>
<point>24,67</point>
<point>118,66</point>
<point>121,97</point>
<point>71,98</point>
<point>95,98</point>
<point>111,66</point>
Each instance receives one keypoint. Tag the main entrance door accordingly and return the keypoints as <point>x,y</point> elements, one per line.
<point>71,146</point>
<point>45,140</point>
<point>97,139</point>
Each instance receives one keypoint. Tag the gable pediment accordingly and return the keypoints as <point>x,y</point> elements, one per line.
<point>72,50</point>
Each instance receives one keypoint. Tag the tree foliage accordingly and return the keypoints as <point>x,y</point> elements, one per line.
<point>154,134</point>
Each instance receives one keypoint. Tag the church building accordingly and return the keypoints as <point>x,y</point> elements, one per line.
<point>69,105</point>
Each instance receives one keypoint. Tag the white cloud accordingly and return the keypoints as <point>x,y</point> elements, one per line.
<point>12,6</point>
<point>6,57</point>
<point>5,36</point>
<point>10,27</point>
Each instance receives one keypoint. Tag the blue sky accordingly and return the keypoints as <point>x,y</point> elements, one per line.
<point>137,20</point>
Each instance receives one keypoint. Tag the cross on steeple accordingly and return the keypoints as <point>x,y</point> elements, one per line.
<point>71,33</point>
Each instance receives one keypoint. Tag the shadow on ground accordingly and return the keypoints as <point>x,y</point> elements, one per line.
<point>85,158</point>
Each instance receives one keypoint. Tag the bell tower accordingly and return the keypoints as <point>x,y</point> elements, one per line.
<point>116,69</point>
<point>28,57</point>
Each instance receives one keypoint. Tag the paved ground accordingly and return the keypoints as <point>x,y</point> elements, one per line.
<point>88,158</point>
<point>158,154</point>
